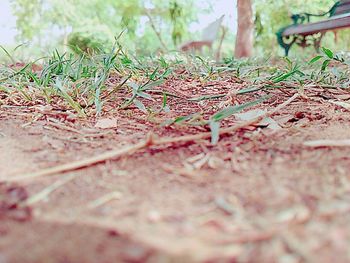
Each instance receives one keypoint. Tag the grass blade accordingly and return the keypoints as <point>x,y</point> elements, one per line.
<point>229,111</point>
<point>214,128</point>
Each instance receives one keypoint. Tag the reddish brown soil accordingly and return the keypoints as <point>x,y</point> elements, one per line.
<point>260,195</point>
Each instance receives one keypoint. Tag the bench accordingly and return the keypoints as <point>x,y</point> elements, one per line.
<point>209,35</point>
<point>305,32</point>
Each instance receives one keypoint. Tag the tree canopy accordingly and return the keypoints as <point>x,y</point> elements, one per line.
<point>43,20</point>
<point>149,25</point>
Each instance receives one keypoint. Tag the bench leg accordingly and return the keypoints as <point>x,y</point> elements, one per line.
<point>287,46</point>
<point>285,42</point>
<point>286,50</point>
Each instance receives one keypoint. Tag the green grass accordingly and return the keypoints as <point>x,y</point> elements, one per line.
<point>84,83</point>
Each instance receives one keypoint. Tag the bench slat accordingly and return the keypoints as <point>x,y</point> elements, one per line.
<point>342,9</point>
<point>335,22</point>
<point>339,17</point>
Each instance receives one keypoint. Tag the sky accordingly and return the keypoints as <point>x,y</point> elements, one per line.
<point>7,24</point>
<point>220,7</point>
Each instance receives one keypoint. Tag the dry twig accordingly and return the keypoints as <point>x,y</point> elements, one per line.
<point>327,143</point>
<point>43,194</point>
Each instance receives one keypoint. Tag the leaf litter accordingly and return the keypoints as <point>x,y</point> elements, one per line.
<point>171,188</point>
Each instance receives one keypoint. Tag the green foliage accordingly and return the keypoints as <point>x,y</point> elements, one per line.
<point>85,43</point>
<point>88,24</point>
<point>176,12</point>
<point>327,56</point>
<point>28,16</point>
<point>140,91</point>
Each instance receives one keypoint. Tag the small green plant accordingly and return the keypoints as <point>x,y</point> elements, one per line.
<point>327,56</point>
<point>215,120</point>
<point>140,91</point>
<point>292,70</point>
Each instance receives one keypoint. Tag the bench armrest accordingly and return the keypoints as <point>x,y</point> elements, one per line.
<point>305,17</point>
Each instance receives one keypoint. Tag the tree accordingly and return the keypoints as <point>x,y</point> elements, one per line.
<point>245,31</point>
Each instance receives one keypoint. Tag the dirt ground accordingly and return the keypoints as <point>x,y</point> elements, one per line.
<point>259,195</point>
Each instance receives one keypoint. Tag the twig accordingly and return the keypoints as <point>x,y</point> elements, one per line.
<point>218,52</point>
<point>48,190</point>
<point>104,199</point>
<point>342,104</point>
<point>169,94</point>
<point>297,247</point>
<point>117,87</point>
<point>64,127</point>
<point>251,237</point>
<point>82,163</point>
<point>149,141</point>
<point>156,31</point>
<point>327,143</point>
<point>67,128</point>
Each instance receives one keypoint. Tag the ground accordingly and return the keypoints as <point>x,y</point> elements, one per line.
<point>259,195</point>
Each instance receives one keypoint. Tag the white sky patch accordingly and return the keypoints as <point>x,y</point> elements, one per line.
<point>220,7</point>
<point>7,24</point>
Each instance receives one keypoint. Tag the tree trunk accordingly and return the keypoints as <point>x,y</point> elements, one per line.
<point>245,31</point>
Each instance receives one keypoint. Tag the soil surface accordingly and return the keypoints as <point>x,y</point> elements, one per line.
<point>259,195</point>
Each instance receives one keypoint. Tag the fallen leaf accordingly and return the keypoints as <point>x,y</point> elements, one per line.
<point>201,162</point>
<point>252,114</point>
<point>215,162</point>
<point>107,123</point>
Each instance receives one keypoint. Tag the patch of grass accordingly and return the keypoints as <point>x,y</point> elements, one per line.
<point>86,82</point>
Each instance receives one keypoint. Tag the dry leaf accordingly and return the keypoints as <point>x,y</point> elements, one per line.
<point>252,114</point>
<point>215,162</point>
<point>107,123</point>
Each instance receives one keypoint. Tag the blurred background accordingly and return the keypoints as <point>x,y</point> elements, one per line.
<point>148,26</point>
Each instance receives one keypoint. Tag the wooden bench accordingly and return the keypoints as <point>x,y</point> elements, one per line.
<point>209,35</point>
<point>305,32</point>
